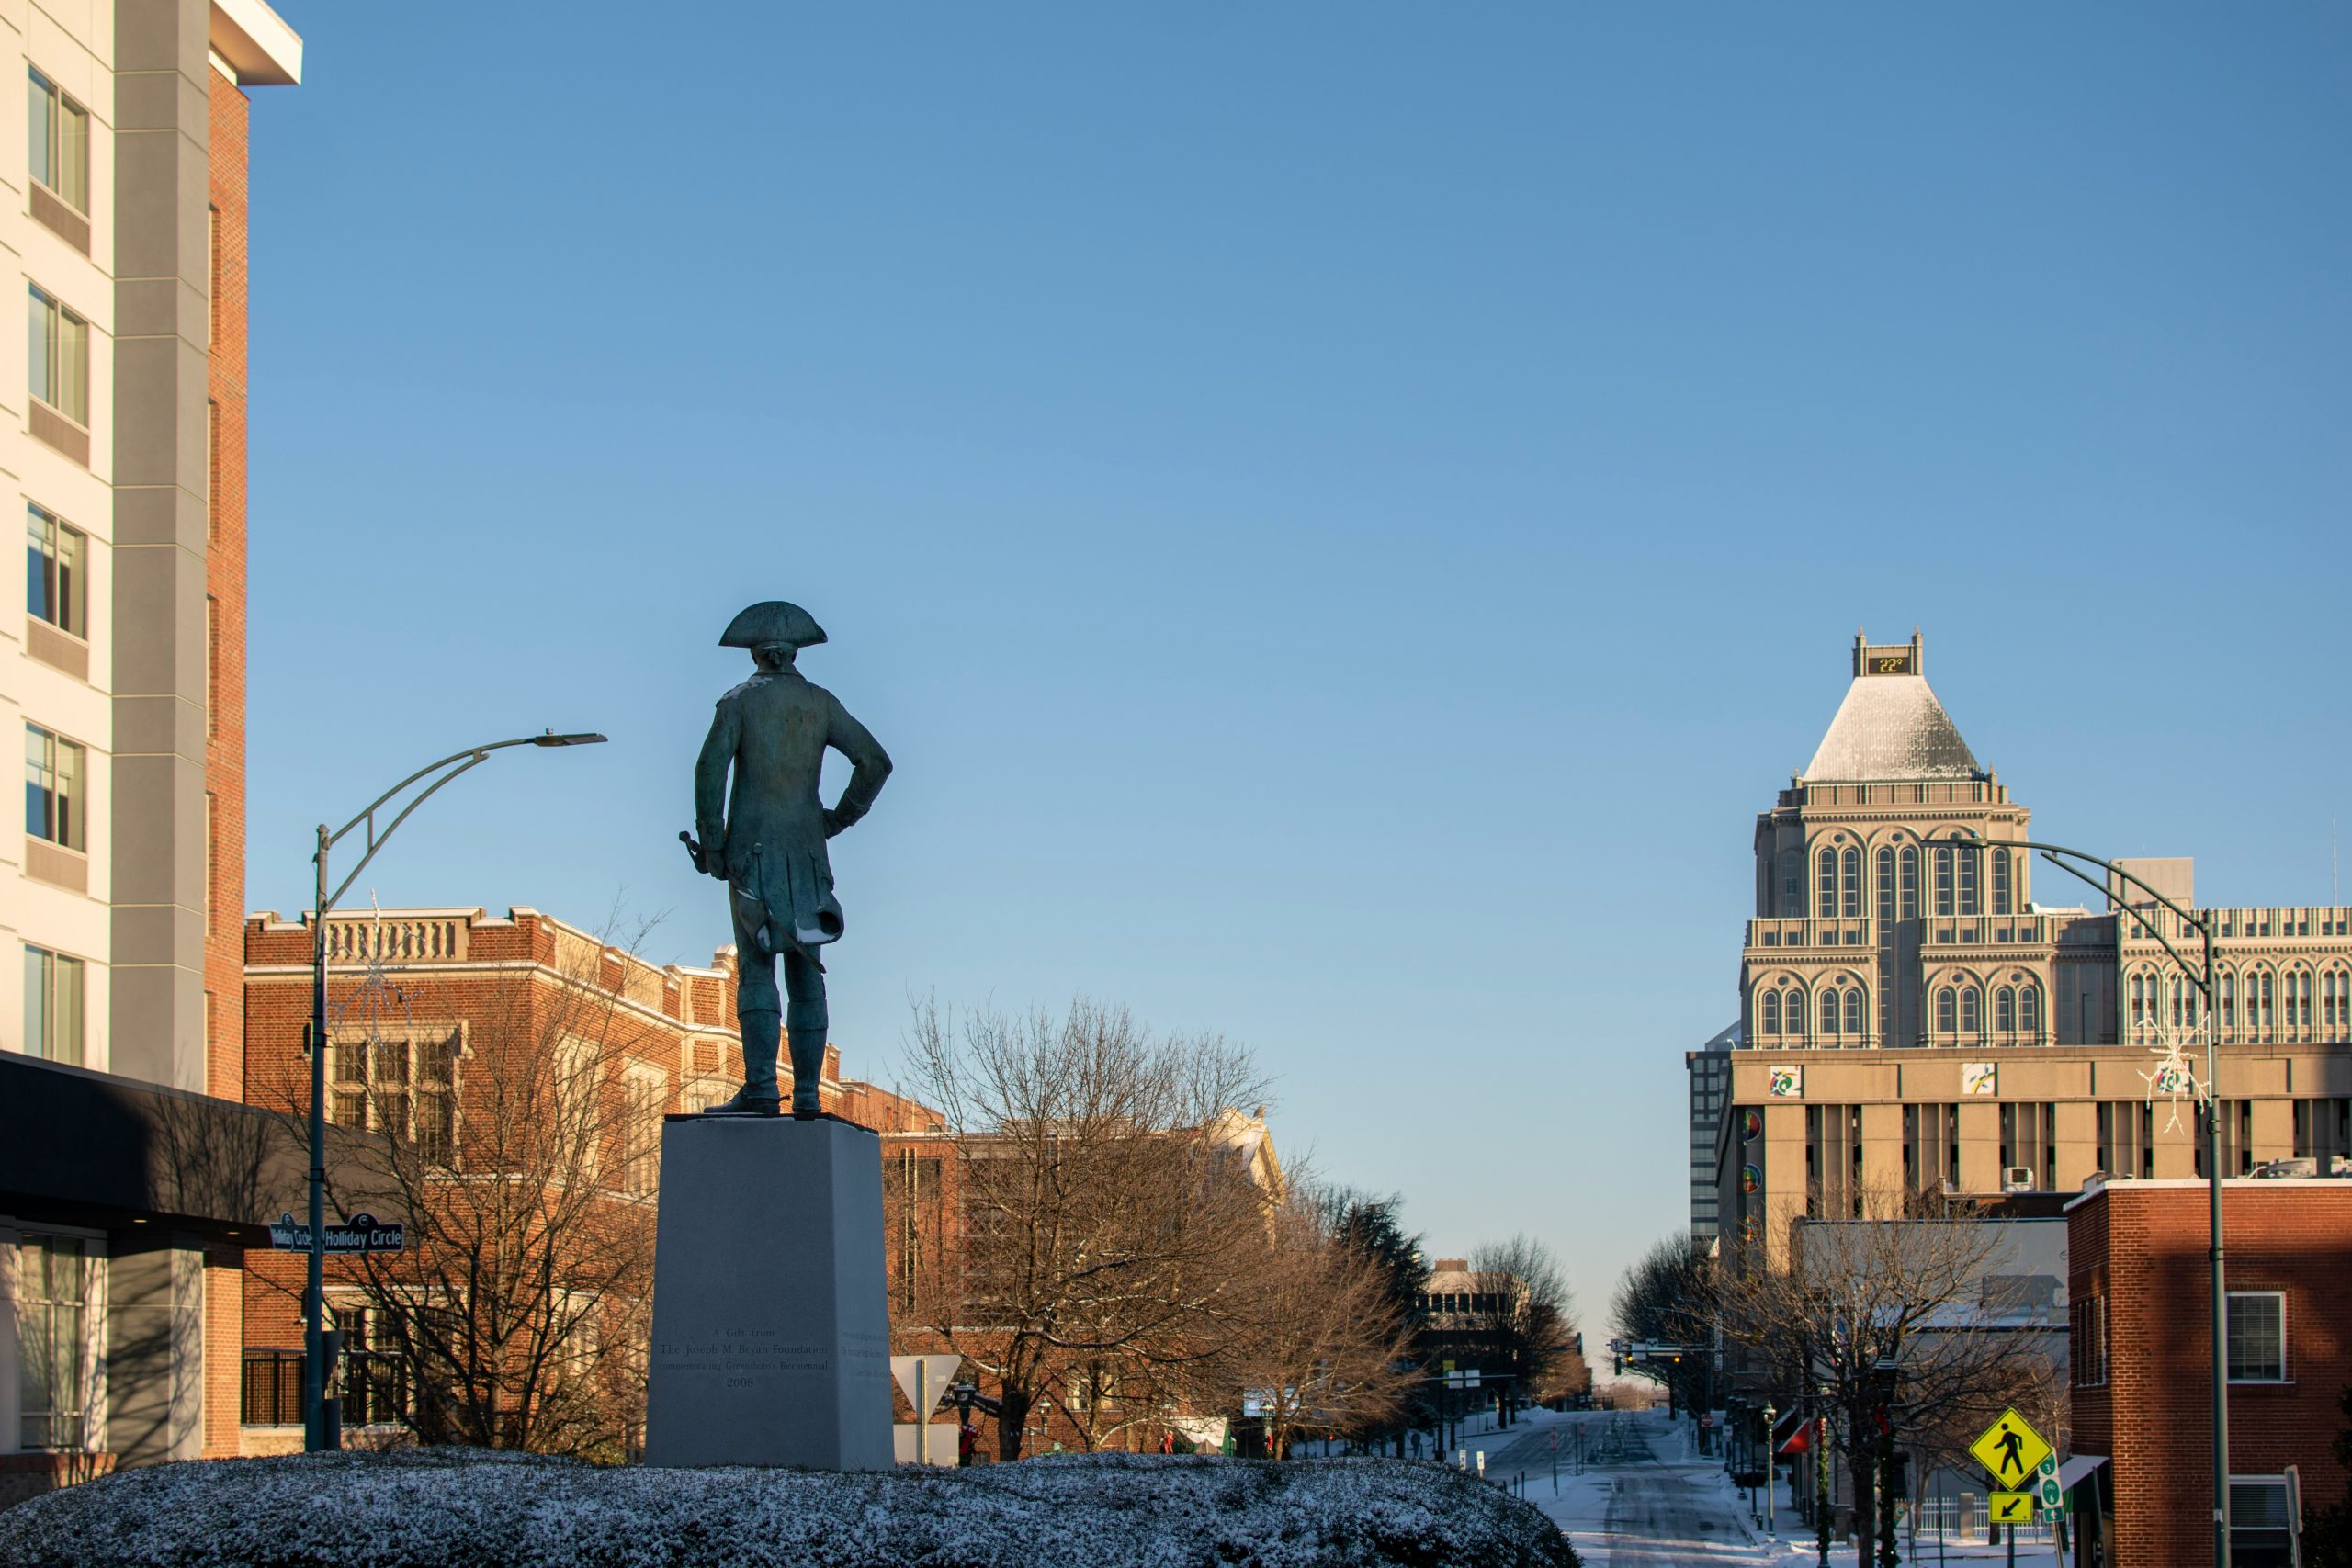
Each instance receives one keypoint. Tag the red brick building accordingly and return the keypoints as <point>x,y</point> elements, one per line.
<point>2142,1356</point>
<point>428,1011</point>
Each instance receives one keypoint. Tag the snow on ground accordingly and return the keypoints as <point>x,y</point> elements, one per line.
<point>441,1508</point>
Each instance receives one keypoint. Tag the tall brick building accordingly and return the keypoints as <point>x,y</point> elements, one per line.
<point>122,901</point>
<point>2142,1360</point>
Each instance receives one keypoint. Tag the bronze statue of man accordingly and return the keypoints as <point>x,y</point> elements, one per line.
<point>766,841</point>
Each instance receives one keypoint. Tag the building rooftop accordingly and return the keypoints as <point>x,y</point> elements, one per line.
<point>1890,727</point>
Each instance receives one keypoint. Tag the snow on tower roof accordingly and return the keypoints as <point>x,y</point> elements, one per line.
<point>1890,727</point>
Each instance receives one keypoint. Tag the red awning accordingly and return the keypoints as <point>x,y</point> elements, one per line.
<point>1793,1433</point>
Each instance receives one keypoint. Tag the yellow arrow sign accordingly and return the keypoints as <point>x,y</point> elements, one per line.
<point>2011,1449</point>
<point>2012,1507</point>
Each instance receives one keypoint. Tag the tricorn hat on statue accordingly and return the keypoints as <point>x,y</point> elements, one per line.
<point>773,621</point>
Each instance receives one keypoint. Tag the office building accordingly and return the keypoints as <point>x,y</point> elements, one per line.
<point>121,1226</point>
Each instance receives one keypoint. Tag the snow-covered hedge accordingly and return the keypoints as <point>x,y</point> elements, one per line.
<point>468,1508</point>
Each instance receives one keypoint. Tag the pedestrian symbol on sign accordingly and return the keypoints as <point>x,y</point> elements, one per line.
<point>2011,1449</point>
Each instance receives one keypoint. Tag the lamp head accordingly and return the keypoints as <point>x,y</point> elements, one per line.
<point>552,739</point>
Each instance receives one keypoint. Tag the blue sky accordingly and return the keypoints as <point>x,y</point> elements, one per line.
<point>1341,513</point>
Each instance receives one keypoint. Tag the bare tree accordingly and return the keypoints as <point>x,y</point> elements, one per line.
<point>519,1143</point>
<point>1900,1321</point>
<point>1106,1216</point>
<point>1527,1328</point>
<point>1667,1296</point>
<point>1328,1350</point>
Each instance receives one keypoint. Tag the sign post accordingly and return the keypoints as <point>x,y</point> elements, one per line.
<point>2014,1454</point>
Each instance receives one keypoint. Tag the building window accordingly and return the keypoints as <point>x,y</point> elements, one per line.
<point>1854,1011</point>
<point>1771,1010</point>
<point>61,143</point>
<point>60,357</point>
<point>2258,1336</point>
<point>1791,883</point>
<point>1885,890</point>
<point>2030,1009</point>
<point>405,1086</point>
<point>2258,1002</point>
<point>1851,902</point>
<point>641,1133</point>
<point>2299,1000</point>
<point>2005,1011</point>
<point>2261,1535</point>
<point>2000,882</point>
<point>55,589</point>
<point>52,788</point>
<point>2229,1001</point>
<point>1824,904</point>
<point>52,1342</point>
<point>1910,883</point>
<point>53,1005</point>
<point>1969,861</point>
<point>1972,1010</point>
<point>2335,999</point>
<point>1943,882</point>
<point>2088,1358</point>
<point>1947,1017</point>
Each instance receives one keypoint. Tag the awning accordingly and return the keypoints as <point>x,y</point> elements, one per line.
<point>1793,1433</point>
<point>2075,1470</point>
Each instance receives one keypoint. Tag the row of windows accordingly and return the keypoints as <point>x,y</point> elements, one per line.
<point>1838,1012</point>
<point>2257,1000</point>
<point>2256,1332</point>
<point>1839,891</point>
<point>2016,1010</point>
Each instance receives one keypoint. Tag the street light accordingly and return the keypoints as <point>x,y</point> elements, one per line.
<point>314,1435</point>
<point>2205,981</point>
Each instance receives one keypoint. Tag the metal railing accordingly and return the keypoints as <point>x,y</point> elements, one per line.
<point>375,1389</point>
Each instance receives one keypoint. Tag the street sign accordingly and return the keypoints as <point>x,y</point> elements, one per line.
<point>1552,1439</point>
<point>2012,1507</point>
<point>2011,1449</point>
<point>2046,1483</point>
<point>361,1232</point>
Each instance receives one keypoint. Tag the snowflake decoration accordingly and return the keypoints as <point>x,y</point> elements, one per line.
<point>2172,1074</point>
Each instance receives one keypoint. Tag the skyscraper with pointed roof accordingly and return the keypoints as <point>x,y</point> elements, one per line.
<point>1912,1022</point>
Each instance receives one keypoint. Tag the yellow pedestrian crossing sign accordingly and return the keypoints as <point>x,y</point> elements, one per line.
<point>2011,1449</point>
<point>2012,1507</point>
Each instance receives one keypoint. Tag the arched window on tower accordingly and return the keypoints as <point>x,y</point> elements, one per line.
<point>1829,1009</point>
<point>2302,999</point>
<point>1970,859</point>
<point>2139,1001</point>
<point>1885,891</point>
<point>1854,1011</point>
<point>2005,1011</point>
<point>1947,1019</point>
<point>2000,882</point>
<point>1943,882</point>
<point>1910,881</point>
<point>1972,1012</point>
<point>1792,885</point>
<point>1825,892</point>
<point>1850,904</point>
<point>2029,1009</point>
<point>2262,1000</point>
<point>2229,1001</point>
<point>2176,988</point>
<point>1770,1008</point>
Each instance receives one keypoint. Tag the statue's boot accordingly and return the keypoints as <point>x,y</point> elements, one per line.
<point>808,1073</point>
<point>758,1096</point>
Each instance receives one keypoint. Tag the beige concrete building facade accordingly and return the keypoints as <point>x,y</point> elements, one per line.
<point>1913,1020</point>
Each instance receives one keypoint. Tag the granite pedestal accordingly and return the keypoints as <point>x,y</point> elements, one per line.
<point>771,1323</point>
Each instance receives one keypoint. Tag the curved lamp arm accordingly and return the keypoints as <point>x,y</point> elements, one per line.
<point>2201,924</point>
<point>470,757</point>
